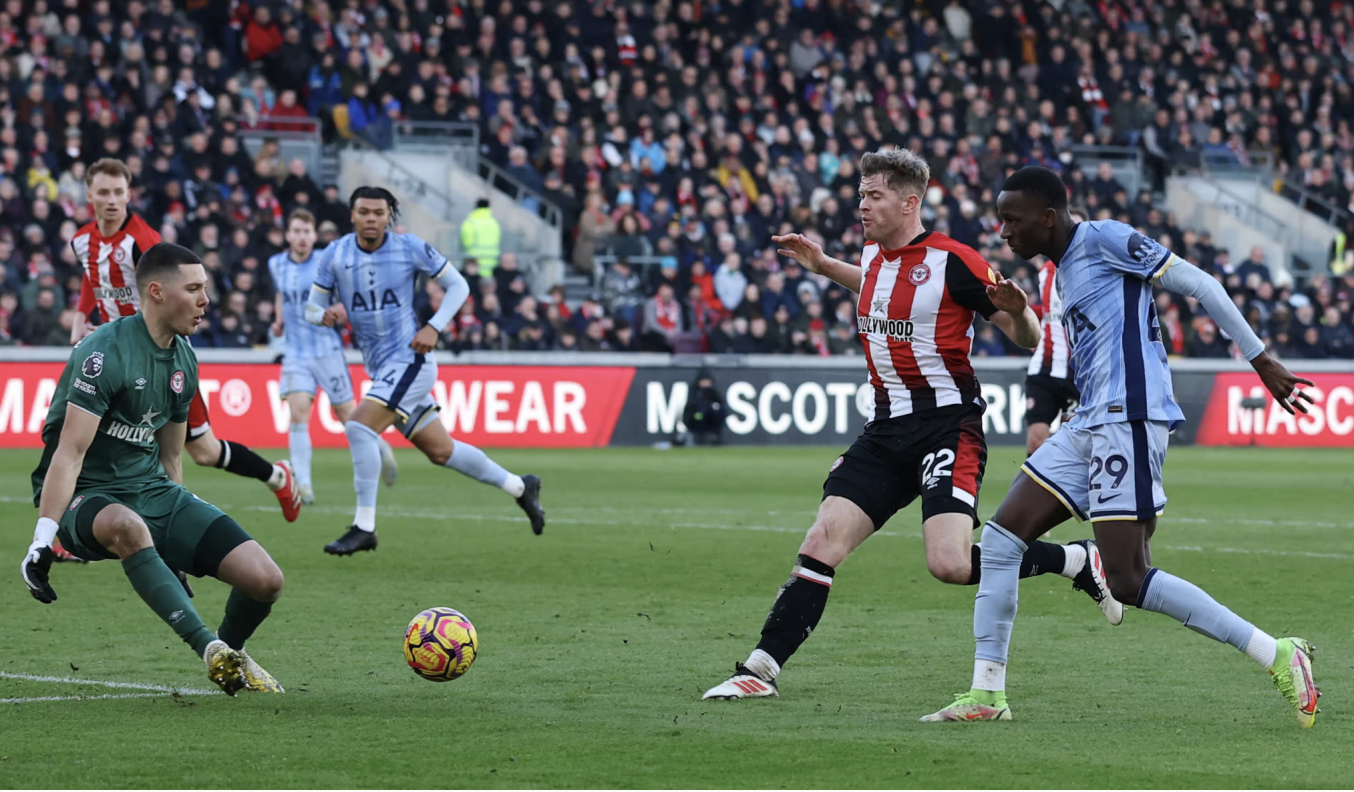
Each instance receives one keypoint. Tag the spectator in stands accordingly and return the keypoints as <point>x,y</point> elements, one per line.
<point>696,142</point>
<point>730,282</point>
<point>594,228</point>
<point>622,291</point>
<point>663,320</point>
<point>1337,336</point>
<point>287,107</point>
<point>1255,265</point>
<point>1206,342</point>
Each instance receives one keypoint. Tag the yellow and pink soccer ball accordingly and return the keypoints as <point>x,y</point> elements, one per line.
<point>440,644</point>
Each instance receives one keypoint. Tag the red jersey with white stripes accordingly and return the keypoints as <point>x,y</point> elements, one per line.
<point>1052,357</point>
<point>915,318</point>
<point>109,262</point>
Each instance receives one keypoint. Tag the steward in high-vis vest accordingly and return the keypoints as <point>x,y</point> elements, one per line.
<point>1341,253</point>
<point>480,237</point>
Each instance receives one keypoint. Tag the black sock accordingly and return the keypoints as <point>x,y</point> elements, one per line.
<point>238,459</point>
<point>1040,559</point>
<point>243,617</point>
<point>797,609</point>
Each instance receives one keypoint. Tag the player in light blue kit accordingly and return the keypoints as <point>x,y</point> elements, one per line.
<point>1105,464</point>
<point>374,272</point>
<point>314,355</point>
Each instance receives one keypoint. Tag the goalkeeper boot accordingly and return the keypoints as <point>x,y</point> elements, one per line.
<point>743,684</point>
<point>225,667</point>
<point>256,680</point>
<point>1292,675</point>
<point>975,705</point>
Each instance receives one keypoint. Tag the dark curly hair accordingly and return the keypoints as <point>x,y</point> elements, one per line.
<point>377,193</point>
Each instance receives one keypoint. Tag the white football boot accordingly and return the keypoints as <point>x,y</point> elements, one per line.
<point>1091,579</point>
<point>743,684</point>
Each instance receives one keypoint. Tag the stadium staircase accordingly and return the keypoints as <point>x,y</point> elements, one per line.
<point>437,174</point>
<point>1242,206</point>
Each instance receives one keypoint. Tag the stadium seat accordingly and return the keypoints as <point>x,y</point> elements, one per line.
<point>341,121</point>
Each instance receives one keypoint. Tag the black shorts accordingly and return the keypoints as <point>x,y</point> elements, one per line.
<point>939,456</point>
<point>1047,397</point>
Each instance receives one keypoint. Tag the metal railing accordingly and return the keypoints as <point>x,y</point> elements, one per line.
<point>460,141</point>
<point>436,133</point>
<point>283,127</point>
<point>599,263</point>
<point>519,192</point>
<point>1248,212</point>
<point>299,138</point>
<point>1124,154</point>
<point>1314,204</point>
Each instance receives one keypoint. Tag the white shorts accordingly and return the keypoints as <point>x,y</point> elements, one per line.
<point>1106,472</point>
<point>306,375</point>
<point>406,388</point>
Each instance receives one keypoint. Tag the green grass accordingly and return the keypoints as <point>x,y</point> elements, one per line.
<point>650,582</point>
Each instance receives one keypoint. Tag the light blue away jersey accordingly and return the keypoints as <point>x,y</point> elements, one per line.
<point>378,291</point>
<point>1105,281</point>
<point>304,341</point>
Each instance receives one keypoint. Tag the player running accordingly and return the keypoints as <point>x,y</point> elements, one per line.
<point>1105,464</point>
<point>109,248</point>
<point>374,271</point>
<point>1049,390</point>
<point>918,292</point>
<point>110,482</point>
<point>314,355</point>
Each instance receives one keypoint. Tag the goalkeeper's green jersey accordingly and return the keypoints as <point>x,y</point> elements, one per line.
<point>121,375</point>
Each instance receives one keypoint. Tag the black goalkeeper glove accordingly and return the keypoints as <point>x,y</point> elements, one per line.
<point>35,567</point>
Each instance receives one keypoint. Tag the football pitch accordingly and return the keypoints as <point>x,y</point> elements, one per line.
<point>652,579</point>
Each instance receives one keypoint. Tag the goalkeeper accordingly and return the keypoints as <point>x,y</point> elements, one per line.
<point>110,480</point>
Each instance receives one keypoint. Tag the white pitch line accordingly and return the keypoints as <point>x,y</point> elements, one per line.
<point>33,699</point>
<point>417,514</point>
<point>108,683</point>
<point>430,515</point>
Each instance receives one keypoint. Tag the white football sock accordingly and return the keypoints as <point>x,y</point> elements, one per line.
<point>763,665</point>
<point>988,675</point>
<point>1073,560</point>
<point>366,518</point>
<point>1262,648</point>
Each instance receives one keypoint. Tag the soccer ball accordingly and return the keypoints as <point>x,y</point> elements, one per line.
<point>440,644</point>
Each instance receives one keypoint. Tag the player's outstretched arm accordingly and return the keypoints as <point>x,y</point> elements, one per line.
<point>170,439</point>
<point>456,288</point>
<point>1014,315</point>
<point>811,256</point>
<point>1182,277</point>
<point>57,489</point>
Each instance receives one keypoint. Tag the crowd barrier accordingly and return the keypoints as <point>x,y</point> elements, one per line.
<point>577,400</point>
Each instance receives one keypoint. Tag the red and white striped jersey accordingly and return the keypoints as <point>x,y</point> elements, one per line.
<point>1054,354</point>
<point>915,318</point>
<point>109,282</point>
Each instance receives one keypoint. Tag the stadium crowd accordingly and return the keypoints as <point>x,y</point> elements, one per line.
<point>678,134</point>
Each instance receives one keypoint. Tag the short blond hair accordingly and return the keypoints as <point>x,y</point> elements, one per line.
<point>303,215</point>
<point>902,170</point>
